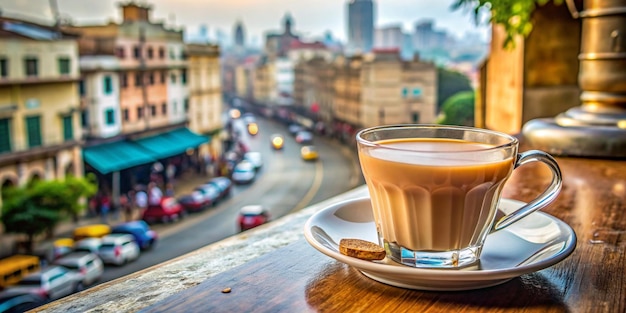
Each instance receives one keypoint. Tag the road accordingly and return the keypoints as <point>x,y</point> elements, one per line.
<point>284,184</point>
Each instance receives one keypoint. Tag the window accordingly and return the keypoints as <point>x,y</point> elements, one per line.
<point>139,112</point>
<point>33,131</point>
<point>164,108</point>
<point>405,92</point>
<point>186,105</point>
<point>172,54</point>
<point>68,129</point>
<point>64,66</point>
<point>163,75</point>
<point>137,52</point>
<point>173,78</point>
<point>81,88</point>
<point>416,117</point>
<point>4,67</point>
<point>161,53</point>
<point>150,53</point>
<point>120,52</point>
<point>138,79</point>
<point>417,92</point>
<point>126,115</point>
<point>84,118</point>
<point>183,76</point>
<point>151,78</point>
<point>124,80</point>
<point>5,135</point>
<point>153,110</point>
<point>31,66</point>
<point>108,85</point>
<point>109,116</point>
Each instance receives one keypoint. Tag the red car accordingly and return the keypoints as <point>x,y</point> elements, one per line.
<point>168,210</point>
<point>251,216</point>
<point>194,202</point>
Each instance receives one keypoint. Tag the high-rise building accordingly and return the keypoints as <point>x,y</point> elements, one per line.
<point>240,37</point>
<point>360,26</point>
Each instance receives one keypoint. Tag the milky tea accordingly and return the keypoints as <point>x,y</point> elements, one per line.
<point>433,202</point>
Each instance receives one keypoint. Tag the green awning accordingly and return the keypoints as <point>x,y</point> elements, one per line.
<point>116,156</point>
<point>171,143</point>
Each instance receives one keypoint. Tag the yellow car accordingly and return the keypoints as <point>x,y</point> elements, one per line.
<point>309,153</point>
<point>91,231</point>
<point>277,142</point>
<point>253,129</point>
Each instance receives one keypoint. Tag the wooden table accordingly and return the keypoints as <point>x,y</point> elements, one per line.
<point>298,278</point>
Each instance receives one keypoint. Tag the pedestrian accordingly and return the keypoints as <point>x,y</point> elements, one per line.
<point>126,207</point>
<point>154,194</point>
<point>169,190</point>
<point>105,207</point>
<point>141,199</point>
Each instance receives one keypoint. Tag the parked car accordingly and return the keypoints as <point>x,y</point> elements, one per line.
<point>193,202</point>
<point>210,193</point>
<point>88,245</point>
<point>294,129</point>
<point>61,247</point>
<point>224,184</point>
<point>304,137</point>
<point>244,173</point>
<point>309,153</point>
<point>145,237</point>
<point>277,141</point>
<point>248,118</point>
<point>52,282</point>
<point>17,301</point>
<point>251,216</point>
<point>255,158</point>
<point>118,249</point>
<point>91,231</point>
<point>15,267</point>
<point>87,265</point>
<point>167,210</point>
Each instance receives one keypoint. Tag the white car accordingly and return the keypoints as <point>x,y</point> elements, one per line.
<point>87,265</point>
<point>88,245</point>
<point>244,173</point>
<point>118,249</point>
<point>255,158</point>
<point>53,282</point>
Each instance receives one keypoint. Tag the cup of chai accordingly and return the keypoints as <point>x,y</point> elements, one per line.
<point>435,189</point>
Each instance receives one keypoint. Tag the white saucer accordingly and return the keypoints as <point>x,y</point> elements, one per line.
<point>534,243</point>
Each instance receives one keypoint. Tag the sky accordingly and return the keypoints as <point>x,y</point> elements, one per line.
<point>312,18</point>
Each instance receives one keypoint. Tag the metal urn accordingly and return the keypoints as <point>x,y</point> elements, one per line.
<point>596,128</point>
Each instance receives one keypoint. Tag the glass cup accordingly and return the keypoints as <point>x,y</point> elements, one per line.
<point>435,189</point>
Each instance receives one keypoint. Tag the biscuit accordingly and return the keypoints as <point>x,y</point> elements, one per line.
<point>361,249</point>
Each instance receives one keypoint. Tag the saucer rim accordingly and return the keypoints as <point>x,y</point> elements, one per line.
<point>422,274</point>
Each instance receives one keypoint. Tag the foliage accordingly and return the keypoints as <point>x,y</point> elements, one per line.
<point>513,15</point>
<point>459,109</point>
<point>450,83</point>
<point>40,206</point>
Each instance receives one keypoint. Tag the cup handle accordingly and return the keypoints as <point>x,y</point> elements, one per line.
<point>542,200</point>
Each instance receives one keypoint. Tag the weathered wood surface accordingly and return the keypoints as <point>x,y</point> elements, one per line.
<point>298,278</point>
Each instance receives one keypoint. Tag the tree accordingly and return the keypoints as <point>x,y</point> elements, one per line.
<point>38,207</point>
<point>513,15</point>
<point>459,109</point>
<point>450,83</point>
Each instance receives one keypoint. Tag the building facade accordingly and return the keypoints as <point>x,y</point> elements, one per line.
<point>40,134</point>
<point>205,95</point>
<point>397,91</point>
